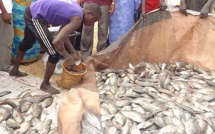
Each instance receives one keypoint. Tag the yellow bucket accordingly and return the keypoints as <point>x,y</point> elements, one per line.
<point>70,78</point>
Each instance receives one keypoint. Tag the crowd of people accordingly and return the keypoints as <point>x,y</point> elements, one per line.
<point>115,18</point>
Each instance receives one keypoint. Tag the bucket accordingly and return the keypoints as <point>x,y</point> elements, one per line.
<point>71,78</point>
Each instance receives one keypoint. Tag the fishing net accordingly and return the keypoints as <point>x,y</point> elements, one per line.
<point>161,36</point>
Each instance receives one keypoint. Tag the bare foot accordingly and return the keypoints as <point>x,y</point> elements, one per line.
<point>49,89</point>
<point>17,73</point>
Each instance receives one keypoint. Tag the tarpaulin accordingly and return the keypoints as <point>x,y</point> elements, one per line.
<point>160,36</point>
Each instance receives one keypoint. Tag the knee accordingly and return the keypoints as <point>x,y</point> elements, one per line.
<point>24,48</point>
<point>53,59</point>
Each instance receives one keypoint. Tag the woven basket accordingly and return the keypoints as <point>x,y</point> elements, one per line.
<point>70,78</point>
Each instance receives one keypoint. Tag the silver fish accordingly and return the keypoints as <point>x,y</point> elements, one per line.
<point>5,113</point>
<point>17,116</point>
<point>111,130</point>
<point>4,93</point>
<point>168,129</point>
<point>37,98</point>
<point>47,102</point>
<point>24,127</point>
<point>92,120</point>
<point>144,125</point>
<point>12,123</point>
<point>120,118</point>
<point>134,129</point>
<point>37,110</point>
<point>90,129</point>
<point>4,129</point>
<point>24,106</point>
<point>135,116</point>
<point>23,93</point>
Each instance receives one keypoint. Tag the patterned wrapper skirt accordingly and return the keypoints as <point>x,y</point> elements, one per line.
<point>19,26</point>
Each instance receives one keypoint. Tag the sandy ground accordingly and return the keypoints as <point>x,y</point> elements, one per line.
<point>37,69</point>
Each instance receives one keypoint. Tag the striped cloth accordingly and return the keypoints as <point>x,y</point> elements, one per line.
<point>19,26</point>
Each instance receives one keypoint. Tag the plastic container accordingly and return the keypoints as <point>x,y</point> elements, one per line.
<point>71,78</point>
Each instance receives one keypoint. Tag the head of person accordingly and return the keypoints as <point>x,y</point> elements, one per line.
<point>92,13</point>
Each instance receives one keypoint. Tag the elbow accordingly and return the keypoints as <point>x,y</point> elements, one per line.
<point>55,42</point>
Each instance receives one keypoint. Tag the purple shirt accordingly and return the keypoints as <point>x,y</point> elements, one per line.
<point>55,12</point>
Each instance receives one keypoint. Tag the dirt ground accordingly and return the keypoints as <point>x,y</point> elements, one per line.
<point>37,69</point>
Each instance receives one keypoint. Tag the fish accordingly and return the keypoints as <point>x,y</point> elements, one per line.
<point>4,93</point>
<point>23,93</point>
<point>5,113</point>
<point>90,129</point>
<point>132,115</point>
<point>24,106</point>
<point>24,127</point>
<point>4,129</point>
<point>120,118</point>
<point>92,120</point>
<point>47,102</point>
<point>155,98</point>
<point>168,129</point>
<point>37,98</point>
<point>12,123</point>
<point>18,117</point>
<point>37,110</point>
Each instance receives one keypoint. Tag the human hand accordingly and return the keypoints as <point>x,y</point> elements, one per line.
<point>112,8</point>
<point>183,9</point>
<point>143,15</point>
<point>6,17</point>
<point>163,5</point>
<point>80,2</point>
<point>204,12</point>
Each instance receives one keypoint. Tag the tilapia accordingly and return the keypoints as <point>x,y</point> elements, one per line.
<point>4,93</point>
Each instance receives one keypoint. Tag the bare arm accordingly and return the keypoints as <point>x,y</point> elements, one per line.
<point>143,7</point>
<point>5,16</point>
<point>80,2</point>
<point>163,5</point>
<point>206,8</point>
<point>183,7</point>
<point>63,35</point>
<point>112,7</point>
<point>69,46</point>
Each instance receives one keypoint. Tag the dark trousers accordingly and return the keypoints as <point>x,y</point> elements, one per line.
<point>36,29</point>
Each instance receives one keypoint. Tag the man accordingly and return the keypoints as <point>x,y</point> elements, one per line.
<point>6,34</point>
<point>107,8</point>
<point>197,5</point>
<point>66,13</point>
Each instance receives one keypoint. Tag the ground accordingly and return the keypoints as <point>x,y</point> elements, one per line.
<point>37,69</point>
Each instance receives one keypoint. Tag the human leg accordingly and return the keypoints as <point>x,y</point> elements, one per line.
<point>86,40</point>
<point>103,24</point>
<point>45,38</point>
<point>45,86</point>
<point>26,44</point>
<point>6,39</point>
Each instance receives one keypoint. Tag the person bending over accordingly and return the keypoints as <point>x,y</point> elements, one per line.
<point>65,13</point>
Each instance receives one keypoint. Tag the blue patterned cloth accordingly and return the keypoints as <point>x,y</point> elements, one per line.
<point>123,18</point>
<point>19,26</point>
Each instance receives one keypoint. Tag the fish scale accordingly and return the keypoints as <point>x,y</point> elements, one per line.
<point>170,95</point>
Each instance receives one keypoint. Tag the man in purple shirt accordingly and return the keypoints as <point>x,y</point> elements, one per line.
<point>69,15</point>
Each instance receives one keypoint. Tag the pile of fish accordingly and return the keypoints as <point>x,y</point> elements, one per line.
<point>23,114</point>
<point>155,98</point>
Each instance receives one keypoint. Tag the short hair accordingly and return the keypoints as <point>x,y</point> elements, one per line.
<point>95,8</point>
